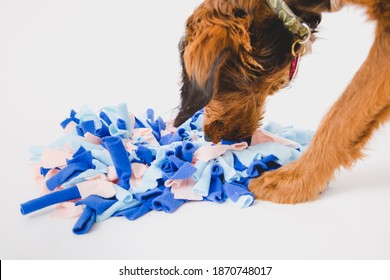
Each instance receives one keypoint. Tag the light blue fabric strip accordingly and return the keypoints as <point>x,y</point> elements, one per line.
<point>87,114</point>
<point>200,166</point>
<point>227,163</point>
<point>124,115</point>
<point>243,202</point>
<point>143,119</point>
<point>74,141</point>
<point>199,122</point>
<point>125,201</point>
<point>161,153</point>
<point>99,166</point>
<point>186,125</point>
<point>81,178</point>
<point>246,157</point>
<point>301,136</point>
<point>102,156</point>
<point>202,186</point>
<point>115,131</point>
<point>283,153</point>
<point>149,180</point>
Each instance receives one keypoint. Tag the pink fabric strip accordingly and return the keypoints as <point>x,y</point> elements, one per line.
<point>99,187</point>
<point>112,176</point>
<point>54,158</point>
<point>67,210</point>
<point>182,189</point>
<point>92,139</point>
<point>209,152</point>
<point>138,170</point>
<point>70,128</point>
<point>262,136</point>
<point>130,147</point>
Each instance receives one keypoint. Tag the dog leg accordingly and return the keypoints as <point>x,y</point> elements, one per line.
<point>361,109</point>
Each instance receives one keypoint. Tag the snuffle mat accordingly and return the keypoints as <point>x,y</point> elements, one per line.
<point>111,163</point>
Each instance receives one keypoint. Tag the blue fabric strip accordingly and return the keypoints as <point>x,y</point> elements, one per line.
<point>72,118</point>
<point>97,203</point>
<point>176,169</point>
<point>50,199</point>
<point>178,136</point>
<point>185,151</point>
<point>85,222</point>
<point>70,171</point>
<point>216,190</point>
<point>120,159</point>
<point>145,155</point>
<point>235,191</point>
<point>103,131</point>
<point>105,118</point>
<point>88,126</point>
<point>146,199</point>
<point>166,202</point>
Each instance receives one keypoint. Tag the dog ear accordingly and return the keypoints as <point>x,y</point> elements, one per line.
<point>212,40</point>
<point>198,90</point>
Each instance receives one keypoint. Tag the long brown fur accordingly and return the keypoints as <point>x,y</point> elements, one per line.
<point>236,53</point>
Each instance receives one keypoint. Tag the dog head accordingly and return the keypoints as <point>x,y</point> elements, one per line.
<point>236,53</point>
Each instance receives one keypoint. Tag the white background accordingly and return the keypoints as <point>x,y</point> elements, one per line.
<point>59,55</point>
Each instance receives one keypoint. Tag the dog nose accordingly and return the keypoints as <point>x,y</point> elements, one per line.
<point>313,20</point>
<point>207,138</point>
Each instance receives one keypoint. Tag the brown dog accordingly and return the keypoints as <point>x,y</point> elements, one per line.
<point>236,53</point>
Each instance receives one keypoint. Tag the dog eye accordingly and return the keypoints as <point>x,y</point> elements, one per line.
<point>239,13</point>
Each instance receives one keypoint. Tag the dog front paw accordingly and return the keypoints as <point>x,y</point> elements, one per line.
<point>287,185</point>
